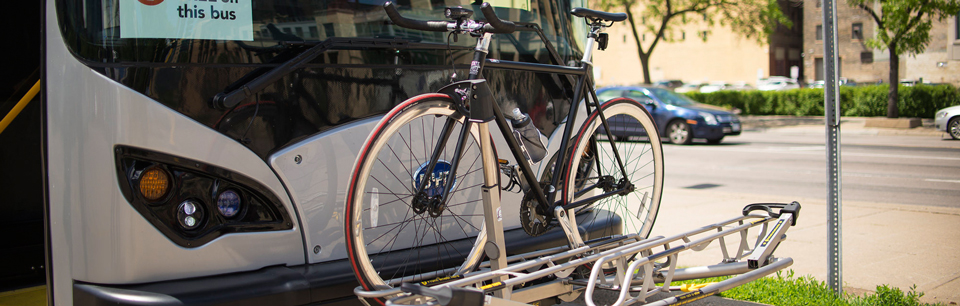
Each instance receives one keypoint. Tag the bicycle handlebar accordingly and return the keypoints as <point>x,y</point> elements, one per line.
<point>494,24</point>
<point>432,25</point>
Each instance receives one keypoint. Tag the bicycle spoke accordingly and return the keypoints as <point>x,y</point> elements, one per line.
<point>639,168</point>
<point>404,242</point>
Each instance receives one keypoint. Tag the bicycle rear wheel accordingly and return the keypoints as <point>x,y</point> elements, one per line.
<point>593,169</point>
<point>393,235</point>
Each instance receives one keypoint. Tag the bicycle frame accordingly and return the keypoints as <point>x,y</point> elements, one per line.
<point>482,107</point>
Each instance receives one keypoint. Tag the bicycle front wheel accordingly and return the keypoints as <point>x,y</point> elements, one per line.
<point>593,169</point>
<point>394,234</point>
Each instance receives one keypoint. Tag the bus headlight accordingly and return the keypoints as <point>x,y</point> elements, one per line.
<point>154,183</point>
<point>190,214</point>
<point>228,203</point>
<point>192,202</point>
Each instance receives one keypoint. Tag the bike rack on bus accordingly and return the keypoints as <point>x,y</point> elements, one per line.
<point>625,264</point>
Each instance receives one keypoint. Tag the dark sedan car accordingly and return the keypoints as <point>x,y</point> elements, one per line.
<point>677,116</point>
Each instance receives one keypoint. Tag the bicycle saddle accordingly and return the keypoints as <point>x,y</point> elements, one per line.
<point>594,14</point>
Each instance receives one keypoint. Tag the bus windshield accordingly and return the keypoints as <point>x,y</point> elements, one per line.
<point>192,50</point>
<point>114,31</point>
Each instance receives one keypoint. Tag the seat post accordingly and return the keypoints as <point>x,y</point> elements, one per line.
<point>595,29</point>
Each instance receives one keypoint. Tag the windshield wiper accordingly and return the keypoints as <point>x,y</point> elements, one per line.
<point>230,98</point>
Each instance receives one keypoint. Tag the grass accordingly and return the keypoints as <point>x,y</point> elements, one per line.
<point>786,290</point>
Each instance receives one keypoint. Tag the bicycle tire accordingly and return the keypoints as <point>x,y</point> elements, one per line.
<point>394,241</point>
<point>643,162</point>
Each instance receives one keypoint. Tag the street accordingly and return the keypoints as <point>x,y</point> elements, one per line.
<point>791,162</point>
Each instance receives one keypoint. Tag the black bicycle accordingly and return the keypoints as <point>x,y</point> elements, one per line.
<point>423,203</point>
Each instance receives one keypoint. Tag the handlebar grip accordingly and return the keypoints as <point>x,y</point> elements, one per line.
<point>494,23</point>
<point>394,14</point>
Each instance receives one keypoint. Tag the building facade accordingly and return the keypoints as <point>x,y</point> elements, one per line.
<point>701,53</point>
<point>940,63</point>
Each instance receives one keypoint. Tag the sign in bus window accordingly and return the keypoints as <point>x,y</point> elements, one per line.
<point>192,19</point>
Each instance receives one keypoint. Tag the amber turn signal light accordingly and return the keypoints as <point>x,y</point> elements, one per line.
<point>154,184</point>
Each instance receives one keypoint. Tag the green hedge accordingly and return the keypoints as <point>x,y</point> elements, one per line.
<point>920,101</point>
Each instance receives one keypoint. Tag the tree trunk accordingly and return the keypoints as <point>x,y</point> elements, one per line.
<point>645,64</point>
<point>644,56</point>
<point>893,95</point>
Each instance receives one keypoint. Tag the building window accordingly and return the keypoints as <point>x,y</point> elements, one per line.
<point>866,57</point>
<point>683,35</point>
<point>857,30</point>
<point>328,30</point>
<point>819,74</point>
<point>819,32</point>
<point>819,3</point>
<point>793,54</point>
<point>956,26</point>
<point>313,32</point>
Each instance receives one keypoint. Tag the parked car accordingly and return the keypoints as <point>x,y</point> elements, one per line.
<point>847,82</point>
<point>741,86</point>
<point>908,82</point>
<point>777,83</point>
<point>670,84</point>
<point>716,86</point>
<point>688,87</point>
<point>678,117</point>
<point>948,120</point>
<point>841,82</point>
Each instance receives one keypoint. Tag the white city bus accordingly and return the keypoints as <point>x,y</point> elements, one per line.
<point>195,151</point>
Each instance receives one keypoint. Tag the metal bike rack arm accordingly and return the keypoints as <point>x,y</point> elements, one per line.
<point>755,263</point>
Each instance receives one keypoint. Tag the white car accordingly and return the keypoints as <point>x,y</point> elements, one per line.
<point>740,86</point>
<point>689,87</point>
<point>778,84</point>
<point>948,120</point>
<point>715,86</point>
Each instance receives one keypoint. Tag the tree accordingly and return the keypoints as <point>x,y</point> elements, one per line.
<point>750,18</point>
<point>903,27</point>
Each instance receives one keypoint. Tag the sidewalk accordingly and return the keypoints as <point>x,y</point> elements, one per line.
<point>883,243</point>
<point>897,245</point>
<point>815,125</point>
<point>852,132</point>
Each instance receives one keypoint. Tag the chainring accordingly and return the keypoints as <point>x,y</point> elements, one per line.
<point>534,224</point>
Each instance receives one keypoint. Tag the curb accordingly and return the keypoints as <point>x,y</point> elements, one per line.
<point>816,124</point>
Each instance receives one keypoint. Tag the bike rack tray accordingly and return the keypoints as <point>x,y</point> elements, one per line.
<point>626,264</point>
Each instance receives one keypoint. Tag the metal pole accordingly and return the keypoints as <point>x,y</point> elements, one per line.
<point>832,121</point>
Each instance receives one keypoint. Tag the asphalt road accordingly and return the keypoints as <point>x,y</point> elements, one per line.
<point>897,169</point>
